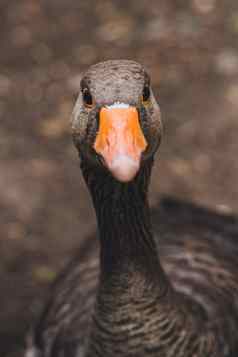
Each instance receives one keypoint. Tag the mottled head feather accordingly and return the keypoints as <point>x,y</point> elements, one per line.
<point>115,81</point>
<point>112,83</point>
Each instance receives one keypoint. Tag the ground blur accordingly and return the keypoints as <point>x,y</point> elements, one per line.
<point>191,51</point>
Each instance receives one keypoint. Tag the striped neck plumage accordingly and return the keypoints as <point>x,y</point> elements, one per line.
<point>131,279</point>
<point>123,218</point>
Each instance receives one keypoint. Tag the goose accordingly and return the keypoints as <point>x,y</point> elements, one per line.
<point>162,283</point>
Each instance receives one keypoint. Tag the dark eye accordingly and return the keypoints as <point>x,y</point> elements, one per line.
<point>146,93</point>
<point>87,98</point>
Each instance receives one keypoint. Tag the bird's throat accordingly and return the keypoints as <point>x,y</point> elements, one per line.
<point>131,278</point>
<point>127,247</point>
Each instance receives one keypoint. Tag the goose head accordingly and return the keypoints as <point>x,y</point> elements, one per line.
<point>116,121</point>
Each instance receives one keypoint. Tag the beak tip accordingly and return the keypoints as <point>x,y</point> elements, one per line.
<point>124,168</point>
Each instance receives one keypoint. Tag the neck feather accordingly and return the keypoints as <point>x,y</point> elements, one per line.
<point>126,241</point>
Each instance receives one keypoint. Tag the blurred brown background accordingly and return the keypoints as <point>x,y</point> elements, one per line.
<point>191,50</point>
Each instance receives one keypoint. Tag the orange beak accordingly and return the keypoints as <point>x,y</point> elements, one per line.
<point>120,141</point>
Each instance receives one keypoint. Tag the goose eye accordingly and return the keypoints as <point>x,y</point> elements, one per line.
<point>146,94</point>
<point>87,98</point>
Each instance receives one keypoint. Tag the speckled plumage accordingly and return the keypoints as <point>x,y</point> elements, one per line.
<point>174,294</point>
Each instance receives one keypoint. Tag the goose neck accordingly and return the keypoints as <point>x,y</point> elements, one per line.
<point>127,246</point>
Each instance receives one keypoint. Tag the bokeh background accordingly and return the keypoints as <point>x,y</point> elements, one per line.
<point>190,49</point>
